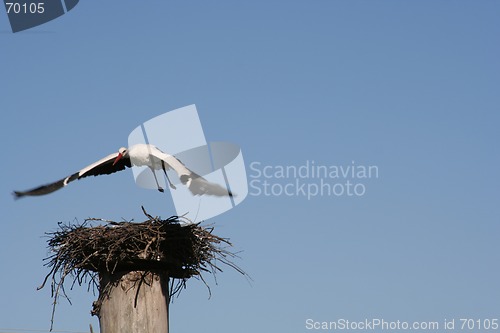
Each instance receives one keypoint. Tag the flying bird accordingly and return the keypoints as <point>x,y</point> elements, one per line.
<point>136,155</point>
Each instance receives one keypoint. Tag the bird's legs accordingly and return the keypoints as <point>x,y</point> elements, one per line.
<point>165,171</point>
<point>156,180</point>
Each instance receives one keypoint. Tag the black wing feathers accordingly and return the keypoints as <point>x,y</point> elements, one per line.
<point>107,167</point>
<point>102,167</point>
<point>46,189</point>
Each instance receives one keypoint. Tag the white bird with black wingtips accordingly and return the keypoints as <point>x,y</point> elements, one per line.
<point>137,155</point>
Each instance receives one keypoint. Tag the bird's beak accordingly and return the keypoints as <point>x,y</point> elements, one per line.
<point>118,158</point>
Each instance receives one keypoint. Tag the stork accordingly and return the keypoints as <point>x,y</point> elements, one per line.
<point>136,155</point>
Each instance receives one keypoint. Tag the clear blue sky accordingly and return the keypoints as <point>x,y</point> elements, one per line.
<point>410,87</point>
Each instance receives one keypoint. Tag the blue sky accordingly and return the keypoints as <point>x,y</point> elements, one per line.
<point>411,87</point>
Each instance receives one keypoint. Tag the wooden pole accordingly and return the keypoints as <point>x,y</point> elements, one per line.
<point>134,302</point>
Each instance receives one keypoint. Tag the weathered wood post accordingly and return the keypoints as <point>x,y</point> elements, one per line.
<point>136,302</point>
<point>137,267</point>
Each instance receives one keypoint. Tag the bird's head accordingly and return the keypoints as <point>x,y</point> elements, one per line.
<point>121,152</point>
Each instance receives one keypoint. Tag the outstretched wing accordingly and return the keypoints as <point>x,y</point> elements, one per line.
<point>200,186</point>
<point>46,189</point>
<point>105,166</point>
<point>196,183</point>
<point>102,167</point>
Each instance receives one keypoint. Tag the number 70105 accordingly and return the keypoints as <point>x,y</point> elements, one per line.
<point>32,8</point>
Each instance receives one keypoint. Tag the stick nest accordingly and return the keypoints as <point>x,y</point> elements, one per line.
<point>181,250</point>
